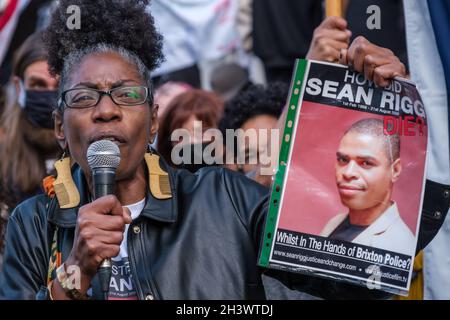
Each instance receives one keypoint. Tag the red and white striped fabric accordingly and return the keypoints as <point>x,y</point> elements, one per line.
<point>8,23</point>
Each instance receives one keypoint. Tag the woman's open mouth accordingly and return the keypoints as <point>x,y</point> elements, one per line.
<point>118,140</point>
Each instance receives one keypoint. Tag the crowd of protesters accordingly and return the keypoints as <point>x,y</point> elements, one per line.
<point>227,65</point>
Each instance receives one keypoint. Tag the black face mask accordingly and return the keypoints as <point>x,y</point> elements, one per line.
<point>39,106</point>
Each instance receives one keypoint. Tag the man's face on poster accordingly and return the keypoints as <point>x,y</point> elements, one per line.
<point>364,173</point>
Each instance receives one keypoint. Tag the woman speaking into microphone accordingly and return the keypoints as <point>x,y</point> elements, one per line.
<point>170,234</point>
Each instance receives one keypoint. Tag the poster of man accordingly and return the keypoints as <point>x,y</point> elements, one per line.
<point>368,164</point>
<point>347,201</point>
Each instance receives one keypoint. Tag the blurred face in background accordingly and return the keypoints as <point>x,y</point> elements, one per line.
<point>183,128</point>
<point>196,129</point>
<point>37,98</point>
<point>256,150</point>
<point>166,93</point>
<point>36,77</point>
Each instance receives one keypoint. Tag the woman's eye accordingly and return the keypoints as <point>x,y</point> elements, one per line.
<point>82,98</point>
<point>130,94</point>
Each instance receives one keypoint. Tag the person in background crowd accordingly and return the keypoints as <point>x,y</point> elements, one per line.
<point>194,111</point>
<point>258,108</point>
<point>164,94</point>
<point>28,147</point>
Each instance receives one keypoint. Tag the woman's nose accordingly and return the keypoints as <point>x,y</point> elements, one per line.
<point>106,110</point>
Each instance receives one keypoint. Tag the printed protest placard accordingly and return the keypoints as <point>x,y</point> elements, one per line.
<point>347,197</point>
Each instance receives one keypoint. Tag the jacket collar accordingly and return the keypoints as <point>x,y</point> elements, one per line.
<point>160,210</point>
<point>380,225</point>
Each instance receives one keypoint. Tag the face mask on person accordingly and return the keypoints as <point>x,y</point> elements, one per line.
<point>38,106</point>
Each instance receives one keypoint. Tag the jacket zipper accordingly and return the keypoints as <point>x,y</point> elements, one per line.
<point>131,257</point>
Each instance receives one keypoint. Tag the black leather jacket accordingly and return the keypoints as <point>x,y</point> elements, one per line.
<point>200,244</point>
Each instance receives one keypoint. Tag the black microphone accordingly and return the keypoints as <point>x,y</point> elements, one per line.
<point>103,157</point>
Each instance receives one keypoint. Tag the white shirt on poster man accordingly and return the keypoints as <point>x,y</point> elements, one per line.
<point>387,232</point>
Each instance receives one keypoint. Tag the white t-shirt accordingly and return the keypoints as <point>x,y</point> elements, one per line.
<point>121,286</point>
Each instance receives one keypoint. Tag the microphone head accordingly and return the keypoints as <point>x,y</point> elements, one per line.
<point>103,154</point>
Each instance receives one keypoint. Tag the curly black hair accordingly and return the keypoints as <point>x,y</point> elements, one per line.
<point>253,101</point>
<point>116,23</point>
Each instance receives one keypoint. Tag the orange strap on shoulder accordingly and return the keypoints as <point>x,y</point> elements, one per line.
<point>47,184</point>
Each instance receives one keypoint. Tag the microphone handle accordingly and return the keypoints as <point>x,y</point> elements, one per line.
<point>104,180</point>
<point>104,184</point>
<point>104,276</point>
